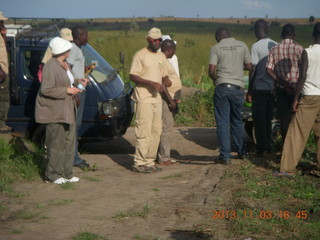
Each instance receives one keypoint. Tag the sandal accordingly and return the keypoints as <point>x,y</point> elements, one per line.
<point>315,172</point>
<point>283,174</point>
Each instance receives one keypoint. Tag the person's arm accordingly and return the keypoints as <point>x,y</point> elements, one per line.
<point>247,66</point>
<point>301,80</point>
<point>166,96</point>
<point>212,72</point>
<point>2,74</point>
<point>138,80</point>
<point>252,76</point>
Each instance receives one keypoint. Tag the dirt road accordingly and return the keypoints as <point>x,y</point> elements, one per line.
<point>117,204</point>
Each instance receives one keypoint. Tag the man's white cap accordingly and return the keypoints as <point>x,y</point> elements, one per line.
<point>167,37</point>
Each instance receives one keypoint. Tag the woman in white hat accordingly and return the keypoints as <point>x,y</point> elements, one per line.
<point>56,107</point>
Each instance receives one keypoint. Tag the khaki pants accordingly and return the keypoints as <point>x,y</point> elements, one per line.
<point>167,127</point>
<point>60,140</point>
<point>148,130</point>
<point>306,118</point>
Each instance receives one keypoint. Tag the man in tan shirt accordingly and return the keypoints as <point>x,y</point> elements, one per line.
<point>4,78</point>
<point>147,72</point>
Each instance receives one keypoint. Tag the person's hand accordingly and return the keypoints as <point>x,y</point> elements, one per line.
<point>166,81</point>
<point>290,88</point>
<point>2,75</point>
<point>73,91</point>
<point>84,81</point>
<point>173,105</point>
<point>248,98</point>
<point>3,31</point>
<point>157,86</point>
<point>295,106</point>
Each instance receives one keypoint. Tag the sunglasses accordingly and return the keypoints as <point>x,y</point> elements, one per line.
<point>159,40</point>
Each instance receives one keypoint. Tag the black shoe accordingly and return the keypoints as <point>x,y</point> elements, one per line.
<point>82,165</point>
<point>223,162</point>
<point>142,169</point>
<point>242,155</point>
<point>156,169</point>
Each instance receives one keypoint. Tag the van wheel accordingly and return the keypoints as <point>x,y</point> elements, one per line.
<point>39,136</point>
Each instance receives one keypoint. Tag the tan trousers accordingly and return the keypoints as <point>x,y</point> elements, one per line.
<point>167,127</point>
<point>306,118</point>
<point>148,130</point>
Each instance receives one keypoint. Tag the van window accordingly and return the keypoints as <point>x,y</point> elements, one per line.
<point>102,72</point>
<point>32,60</point>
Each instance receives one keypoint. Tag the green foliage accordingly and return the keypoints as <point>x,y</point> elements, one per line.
<point>87,236</point>
<point>197,110</point>
<point>15,164</point>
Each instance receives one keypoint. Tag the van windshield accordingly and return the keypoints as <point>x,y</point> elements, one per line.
<point>102,71</point>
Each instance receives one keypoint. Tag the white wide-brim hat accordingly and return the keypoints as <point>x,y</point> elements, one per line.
<point>59,45</point>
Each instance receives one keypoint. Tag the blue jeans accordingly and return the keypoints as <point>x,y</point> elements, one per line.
<point>82,97</point>
<point>228,103</point>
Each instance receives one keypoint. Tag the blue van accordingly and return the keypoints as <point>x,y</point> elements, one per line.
<point>108,108</point>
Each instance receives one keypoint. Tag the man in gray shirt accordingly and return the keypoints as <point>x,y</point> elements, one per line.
<point>77,62</point>
<point>261,89</point>
<point>228,58</point>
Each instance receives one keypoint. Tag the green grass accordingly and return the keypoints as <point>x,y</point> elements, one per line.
<point>171,176</point>
<point>143,213</point>
<point>60,202</point>
<point>68,186</point>
<point>88,236</point>
<point>92,179</point>
<point>18,164</point>
<point>145,237</point>
<point>283,208</point>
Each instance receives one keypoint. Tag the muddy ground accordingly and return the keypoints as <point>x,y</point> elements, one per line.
<point>117,204</point>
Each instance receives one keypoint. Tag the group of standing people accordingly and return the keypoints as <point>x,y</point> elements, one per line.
<point>281,74</point>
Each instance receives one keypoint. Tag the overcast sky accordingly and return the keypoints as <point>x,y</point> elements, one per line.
<point>151,8</point>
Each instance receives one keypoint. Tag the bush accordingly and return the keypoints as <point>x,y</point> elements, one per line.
<point>197,110</point>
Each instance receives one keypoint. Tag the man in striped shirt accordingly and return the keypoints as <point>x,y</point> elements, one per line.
<point>283,66</point>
